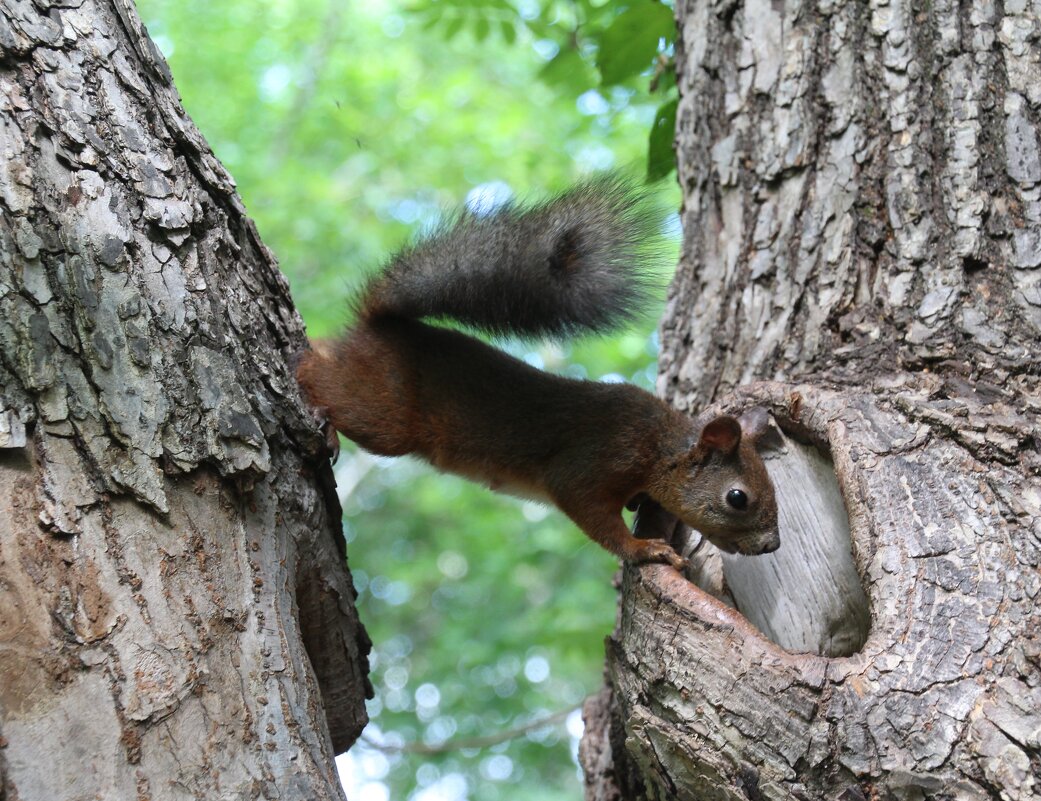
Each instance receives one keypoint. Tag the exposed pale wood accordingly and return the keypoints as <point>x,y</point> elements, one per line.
<point>806,596</point>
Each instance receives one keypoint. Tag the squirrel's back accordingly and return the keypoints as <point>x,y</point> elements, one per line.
<point>580,262</point>
<point>396,385</point>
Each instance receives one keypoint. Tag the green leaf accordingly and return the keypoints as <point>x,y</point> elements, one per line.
<point>428,14</point>
<point>509,32</point>
<point>481,29</point>
<point>660,158</point>
<point>568,70</point>
<point>423,8</point>
<point>628,46</point>
<point>452,28</point>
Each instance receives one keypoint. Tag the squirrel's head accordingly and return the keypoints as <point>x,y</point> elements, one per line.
<point>720,486</point>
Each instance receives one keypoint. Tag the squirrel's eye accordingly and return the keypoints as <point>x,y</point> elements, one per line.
<point>737,499</point>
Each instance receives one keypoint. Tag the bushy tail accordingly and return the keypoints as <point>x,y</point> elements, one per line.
<point>580,262</point>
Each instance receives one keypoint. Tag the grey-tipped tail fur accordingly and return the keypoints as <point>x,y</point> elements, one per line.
<point>580,262</point>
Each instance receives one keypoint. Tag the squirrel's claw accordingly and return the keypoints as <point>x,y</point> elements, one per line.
<point>329,435</point>
<point>332,440</point>
<point>660,551</point>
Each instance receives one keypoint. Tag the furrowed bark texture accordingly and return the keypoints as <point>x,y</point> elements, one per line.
<point>862,220</point>
<point>174,601</point>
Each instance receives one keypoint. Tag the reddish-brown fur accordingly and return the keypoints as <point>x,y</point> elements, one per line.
<point>397,386</point>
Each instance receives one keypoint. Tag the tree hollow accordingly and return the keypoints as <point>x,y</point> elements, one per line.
<point>807,596</point>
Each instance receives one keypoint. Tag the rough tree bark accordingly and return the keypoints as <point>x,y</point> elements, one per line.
<point>862,221</point>
<point>176,617</point>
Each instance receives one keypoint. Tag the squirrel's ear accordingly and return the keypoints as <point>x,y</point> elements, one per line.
<point>757,429</point>
<point>720,434</point>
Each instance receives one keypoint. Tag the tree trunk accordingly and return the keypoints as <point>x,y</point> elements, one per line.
<point>862,220</point>
<point>176,617</point>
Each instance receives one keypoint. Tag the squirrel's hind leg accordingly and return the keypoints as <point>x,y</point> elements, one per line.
<point>359,384</point>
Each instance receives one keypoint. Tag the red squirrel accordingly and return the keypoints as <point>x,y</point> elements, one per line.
<point>574,264</point>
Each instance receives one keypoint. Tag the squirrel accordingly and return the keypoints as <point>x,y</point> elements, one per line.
<point>574,264</point>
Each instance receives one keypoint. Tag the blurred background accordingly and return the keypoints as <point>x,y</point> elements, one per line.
<point>349,128</point>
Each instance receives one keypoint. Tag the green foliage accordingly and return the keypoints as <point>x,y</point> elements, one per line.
<point>497,605</point>
<point>660,161</point>
<point>349,127</point>
<point>634,34</point>
<point>597,45</point>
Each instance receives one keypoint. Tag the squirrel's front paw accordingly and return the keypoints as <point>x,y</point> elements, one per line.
<point>659,551</point>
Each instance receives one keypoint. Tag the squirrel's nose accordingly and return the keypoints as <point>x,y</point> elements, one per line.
<point>773,545</point>
<point>770,545</point>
